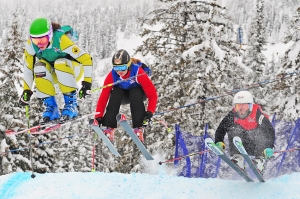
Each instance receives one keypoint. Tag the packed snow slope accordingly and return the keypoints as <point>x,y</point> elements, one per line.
<point>161,186</point>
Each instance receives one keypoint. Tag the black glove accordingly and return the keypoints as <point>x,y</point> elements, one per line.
<point>86,86</point>
<point>25,98</point>
<point>147,119</point>
<point>99,120</point>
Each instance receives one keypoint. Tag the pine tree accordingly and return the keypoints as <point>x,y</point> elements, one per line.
<point>254,58</point>
<point>12,115</point>
<point>195,58</point>
<point>275,22</point>
<point>287,107</point>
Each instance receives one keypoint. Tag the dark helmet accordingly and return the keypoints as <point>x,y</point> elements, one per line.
<point>121,57</point>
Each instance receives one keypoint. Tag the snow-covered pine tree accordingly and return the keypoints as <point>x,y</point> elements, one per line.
<point>195,58</point>
<point>254,57</point>
<point>10,70</point>
<point>12,115</point>
<point>287,106</point>
<point>256,60</point>
<point>275,15</point>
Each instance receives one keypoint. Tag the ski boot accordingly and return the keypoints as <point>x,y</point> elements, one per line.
<point>51,111</point>
<point>139,132</point>
<point>109,132</point>
<point>238,159</point>
<point>70,109</point>
<point>259,163</point>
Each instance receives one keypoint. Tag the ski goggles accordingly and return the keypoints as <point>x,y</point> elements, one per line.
<point>120,67</point>
<point>239,106</point>
<point>40,40</point>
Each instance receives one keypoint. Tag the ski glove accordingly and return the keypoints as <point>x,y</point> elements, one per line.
<point>25,98</point>
<point>268,152</point>
<point>147,119</point>
<point>221,146</point>
<point>85,89</point>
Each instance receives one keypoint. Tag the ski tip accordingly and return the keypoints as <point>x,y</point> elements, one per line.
<point>237,138</point>
<point>9,132</point>
<point>121,117</point>
<point>208,140</point>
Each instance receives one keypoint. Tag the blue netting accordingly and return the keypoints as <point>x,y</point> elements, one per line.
<point>287,137</point>
<point>207,165</point>
<point>199,165</point>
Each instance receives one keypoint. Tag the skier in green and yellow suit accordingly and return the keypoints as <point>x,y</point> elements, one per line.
<point>52,57</point>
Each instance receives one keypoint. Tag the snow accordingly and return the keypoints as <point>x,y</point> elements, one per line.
<point>219,53</point>
<point>2,128</point>
<point>20,185</point>
<point>295,52</point>
<point>128,44</point>
<point>191,52</point>
<point>277,49</point>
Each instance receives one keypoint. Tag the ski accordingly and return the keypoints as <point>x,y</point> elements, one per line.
<point>121,119</point>
<point>46,128</point>
<point>212,146</point>
<point>95,126</point>
<point>239,145</point>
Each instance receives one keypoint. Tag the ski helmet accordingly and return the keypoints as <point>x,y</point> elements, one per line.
<point>41,27</point>
<point>243,97</point>
<point>121,57</point>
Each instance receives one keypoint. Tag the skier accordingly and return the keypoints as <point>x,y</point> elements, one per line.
<point>252,125</point>
<point>133,91</point>
<point>52,57</point>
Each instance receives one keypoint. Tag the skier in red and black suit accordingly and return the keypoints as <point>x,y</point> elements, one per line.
<point>133,91</point>
<point>252,125</point>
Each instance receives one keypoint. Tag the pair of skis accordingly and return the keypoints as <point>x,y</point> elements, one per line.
<point>239,145</point>
<point>121,119</point>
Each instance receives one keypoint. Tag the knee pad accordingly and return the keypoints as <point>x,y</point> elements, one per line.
<point>39,70</point>
<point>43,79</point>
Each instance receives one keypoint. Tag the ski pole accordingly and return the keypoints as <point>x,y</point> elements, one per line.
<point>181,157</point>
<point>288,150</point>
<point>29,135</point>
<point>169,129</point>
<point>42,143</point>
<point>259,84</point>
<point>159,122</point>
<point>93,152</point>
<point>49,126</point>
<point>115,83</point>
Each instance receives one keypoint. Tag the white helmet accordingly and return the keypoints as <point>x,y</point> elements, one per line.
<point>243,97</point>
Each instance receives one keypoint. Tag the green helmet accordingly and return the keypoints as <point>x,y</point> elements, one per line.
<point>41,27</point>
